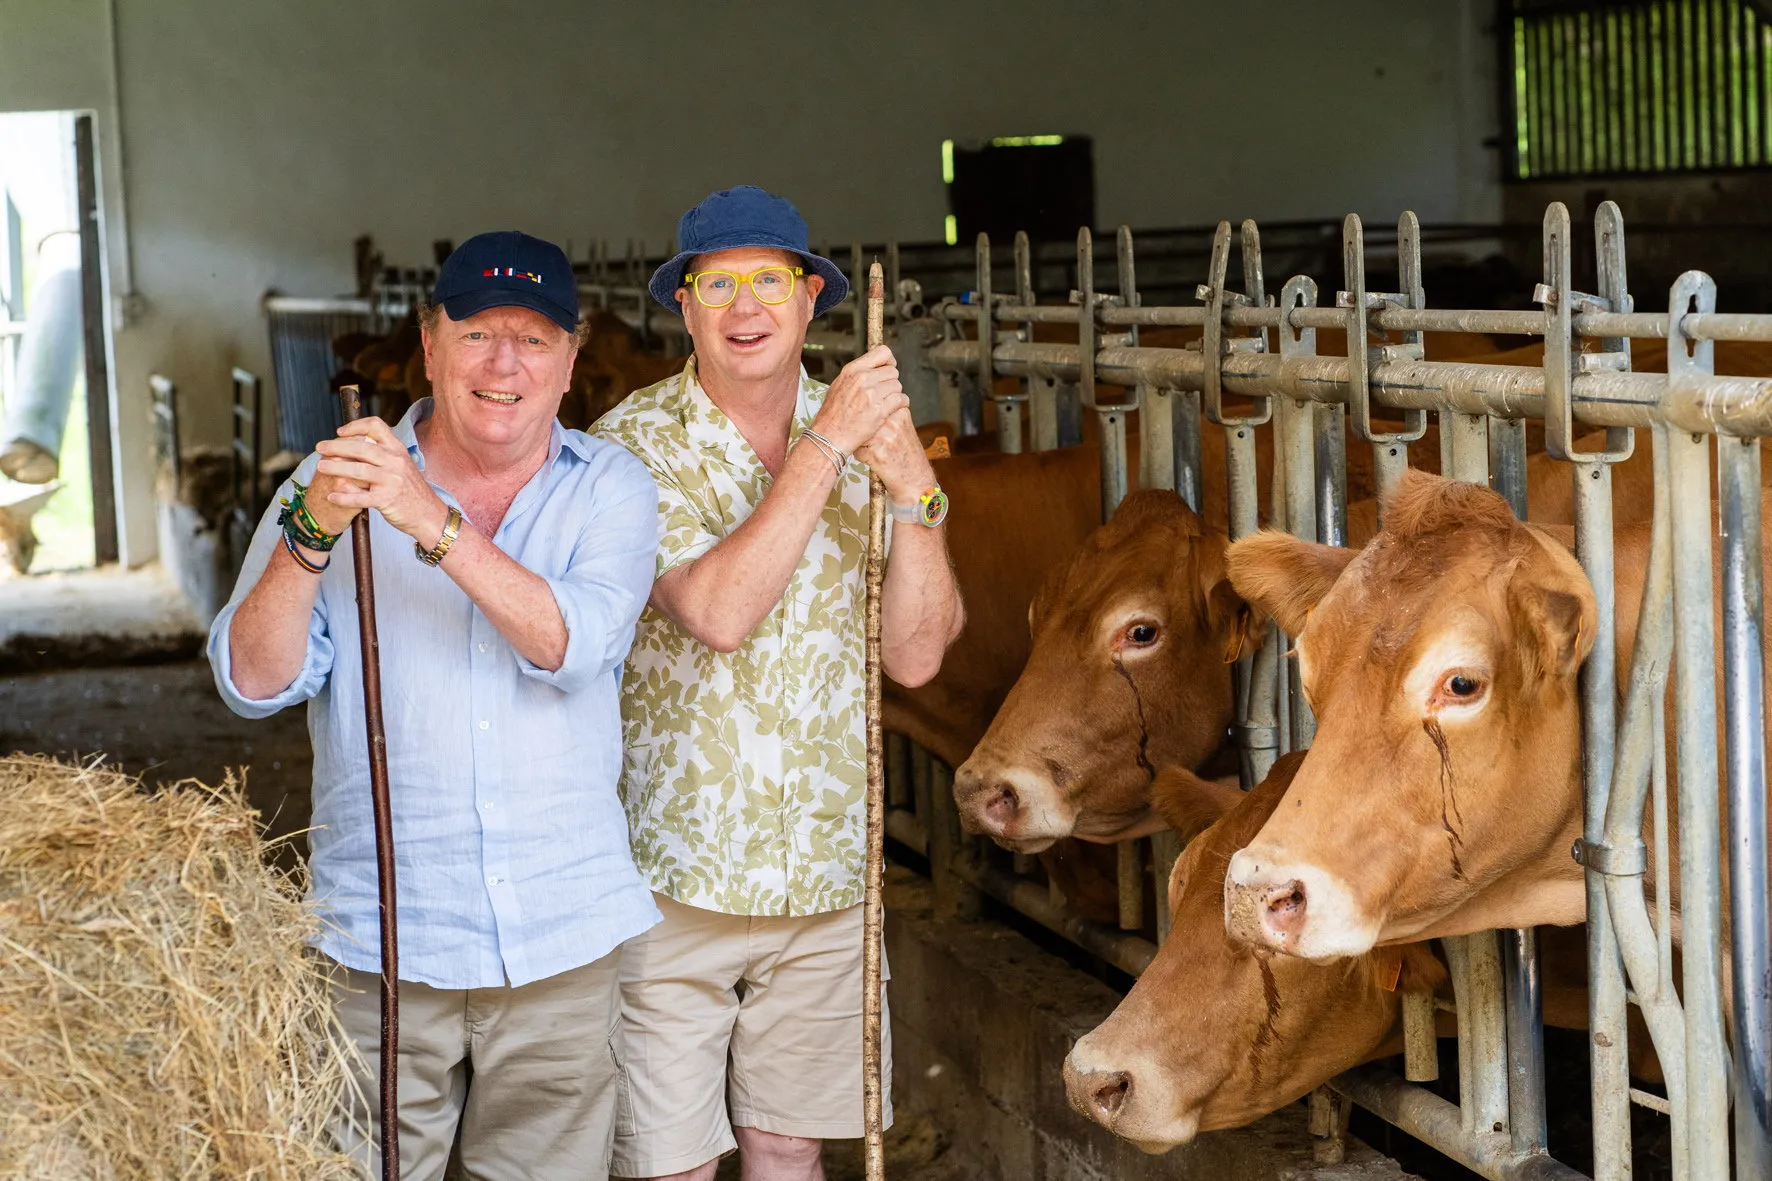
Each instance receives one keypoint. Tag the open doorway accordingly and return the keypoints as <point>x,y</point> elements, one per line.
<point>57,511</point>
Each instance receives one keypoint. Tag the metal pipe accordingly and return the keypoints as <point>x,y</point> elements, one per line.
<point>1608,1050</point>
<point>1434,1121</point>
<point>382,809</point>
<point>1187,446</point>
<point>1525,1040</point>
<point>1744,697</point>
<point>1639,736</point>
<point>1468,436</point>
<point>1156,430</point>
<point>1129,953</point>
<point>1507,461</point>
<point>1113,461</point>
<point>1482,1033</point>
<point>907,828</point>
<point>1695,707</point>
<point>1421,1048</point>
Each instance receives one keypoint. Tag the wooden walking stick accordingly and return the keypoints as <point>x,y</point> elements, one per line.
<point>384,825</point>
<point>872,1084</point>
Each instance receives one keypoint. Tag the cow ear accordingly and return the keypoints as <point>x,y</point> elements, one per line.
<point>1557,624</point>
<point>1189,804</point>
<point>1283,576</point>
<point>1225,609</point>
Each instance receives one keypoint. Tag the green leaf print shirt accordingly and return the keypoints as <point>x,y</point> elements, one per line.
<point>744,773</point>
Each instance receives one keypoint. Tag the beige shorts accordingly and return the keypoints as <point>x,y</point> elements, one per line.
<point>543,1063</point>
<point>738,1020</point>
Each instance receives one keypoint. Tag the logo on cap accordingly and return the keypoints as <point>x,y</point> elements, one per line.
<point>512,272</point>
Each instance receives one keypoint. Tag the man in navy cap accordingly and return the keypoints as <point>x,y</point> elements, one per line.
<point>743,703</point>
<point>512,559</point>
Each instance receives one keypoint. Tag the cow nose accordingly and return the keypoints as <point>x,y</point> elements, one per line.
<point>1108,1094</point>
<point>1002,808</point>
<point>1282,910</point>
<point>1102,1094</point>
<point>1263,907</point>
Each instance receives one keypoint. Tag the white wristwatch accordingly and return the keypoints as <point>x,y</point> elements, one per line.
<point>930,509</point>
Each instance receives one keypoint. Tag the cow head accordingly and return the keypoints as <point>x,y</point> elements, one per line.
<point>1127,673</point>
<point>1442,789</point>
<point>1216,1034</point>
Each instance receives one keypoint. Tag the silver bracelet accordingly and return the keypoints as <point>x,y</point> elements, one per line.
<point>838,460</point>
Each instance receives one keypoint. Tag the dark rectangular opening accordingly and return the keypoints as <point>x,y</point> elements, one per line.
<point>1043,184</point>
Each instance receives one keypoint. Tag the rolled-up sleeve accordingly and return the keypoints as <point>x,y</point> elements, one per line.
<point>316,666</point>
<point>608,577</point>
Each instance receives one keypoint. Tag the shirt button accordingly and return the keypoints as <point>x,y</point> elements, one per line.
<point>484,645</point>
<point>487,805</point>
<point>485,725</point>
<point>494,881</point>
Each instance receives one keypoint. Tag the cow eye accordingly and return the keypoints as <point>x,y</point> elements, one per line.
<point>1459,688</point>
<point>1141,635</point>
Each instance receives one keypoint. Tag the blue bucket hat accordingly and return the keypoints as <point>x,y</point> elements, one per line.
<point>741,217</point>
<point>506,268</point>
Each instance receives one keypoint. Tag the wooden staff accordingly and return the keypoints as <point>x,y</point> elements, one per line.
<point>872,1084</point>
<point>384,825</point>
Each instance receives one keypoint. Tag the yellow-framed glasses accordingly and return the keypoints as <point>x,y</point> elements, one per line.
<point>716,289</point>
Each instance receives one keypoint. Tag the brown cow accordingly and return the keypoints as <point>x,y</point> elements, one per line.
<point>1127,673</point>
<point>1104,689</point>
<point>1216,1035</point>
<point>1213,1034</point>
<point>1444,788</point>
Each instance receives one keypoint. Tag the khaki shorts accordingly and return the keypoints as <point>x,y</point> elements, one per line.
<point>739,1020</point>
<point>542,1060</point>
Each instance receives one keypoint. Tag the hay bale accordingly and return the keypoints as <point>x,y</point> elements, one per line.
<point>160,1015</point>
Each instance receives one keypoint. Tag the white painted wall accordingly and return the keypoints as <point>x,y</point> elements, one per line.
<point>261,136</point>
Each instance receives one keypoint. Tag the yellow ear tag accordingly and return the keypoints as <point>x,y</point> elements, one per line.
<point>938,449</point>
<point>1390,966</point>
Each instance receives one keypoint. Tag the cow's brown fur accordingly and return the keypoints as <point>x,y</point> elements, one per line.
<point>1372,808</point>
<point>1154,565</point>
<point>1214,1035</point>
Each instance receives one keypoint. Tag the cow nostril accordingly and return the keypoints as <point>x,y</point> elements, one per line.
<point>1110,1095</point>
<point>1284,907</point>
<point>1003,806</point>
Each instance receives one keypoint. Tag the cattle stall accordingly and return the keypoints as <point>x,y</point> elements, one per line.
<point>1257,369</point>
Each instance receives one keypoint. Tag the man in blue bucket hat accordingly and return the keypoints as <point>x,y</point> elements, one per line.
<point>743,705</point>
<point>501,640</point>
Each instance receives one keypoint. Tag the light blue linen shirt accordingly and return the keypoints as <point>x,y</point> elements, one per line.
<point>511,846</point>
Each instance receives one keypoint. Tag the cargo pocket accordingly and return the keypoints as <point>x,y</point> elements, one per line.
<point>624,1100</point>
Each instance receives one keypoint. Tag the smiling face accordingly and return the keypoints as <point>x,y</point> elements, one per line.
<point>749,341</point>
<point>498,375</point>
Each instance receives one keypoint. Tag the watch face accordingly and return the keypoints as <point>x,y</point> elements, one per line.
<point>935,506</point>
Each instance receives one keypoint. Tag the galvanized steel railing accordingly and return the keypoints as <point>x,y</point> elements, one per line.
<point>1311,402</point>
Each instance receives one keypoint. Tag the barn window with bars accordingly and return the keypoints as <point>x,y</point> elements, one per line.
<point>1619,88</point>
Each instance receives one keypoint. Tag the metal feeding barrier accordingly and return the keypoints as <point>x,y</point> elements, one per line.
<point>1256,368</point>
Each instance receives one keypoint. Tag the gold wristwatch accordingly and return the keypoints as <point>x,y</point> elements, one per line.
<point>451,527</point>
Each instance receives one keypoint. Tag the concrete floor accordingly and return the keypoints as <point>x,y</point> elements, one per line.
<point>164,722</point>
<point>94,618</point>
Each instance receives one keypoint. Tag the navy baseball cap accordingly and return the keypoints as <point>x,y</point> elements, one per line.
<point>739,217</point>
<point>508,269</point>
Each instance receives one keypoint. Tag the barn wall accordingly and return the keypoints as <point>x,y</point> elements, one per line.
<point>1712,222</point>
<point>261,137</point>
